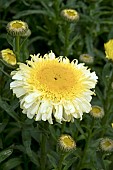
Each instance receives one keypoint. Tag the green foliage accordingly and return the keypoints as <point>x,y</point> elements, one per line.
<point>26,144</point>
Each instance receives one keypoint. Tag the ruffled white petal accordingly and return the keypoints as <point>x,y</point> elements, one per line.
<point>58,113</point>
<point>32,97</point>
<point>19,91</point>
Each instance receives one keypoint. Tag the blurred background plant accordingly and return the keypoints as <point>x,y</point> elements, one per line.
<point>20,138</point>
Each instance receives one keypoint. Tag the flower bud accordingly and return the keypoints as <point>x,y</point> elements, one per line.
<point>66,143</point>
<point>97,112</point>
<point>8,56</point>
<point>70,15</point>
<point>109,49</point>
<point>17,28</point>
<point>106,144</point>
<point>86,58</point>
<point>27,34</point>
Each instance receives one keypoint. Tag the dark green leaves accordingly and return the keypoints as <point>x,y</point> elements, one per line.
<point>5,154</point>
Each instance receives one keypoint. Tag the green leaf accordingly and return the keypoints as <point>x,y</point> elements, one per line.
<point>99,94</point>
<point>49,12</point>
<point>11,163</point>
<point>78,126</point>
<point>6,3</point>
<point>69,163</point>
<point>20,148</point>
<point>26,137</point>
<point>3,125</point>
<point>29,12</point>
<point>52,131</point>
<point>52,160</point>
<point>6,107</point>
<point>32,40</point>
<point>10,39</point>
<point>107,163</point>
<point>97,160</point>
<point>88,166</point>
<point>107,73</point>
<point>5,154</point>
<point>1,143</point>
<point>89,44</point>
<point>73,41</point>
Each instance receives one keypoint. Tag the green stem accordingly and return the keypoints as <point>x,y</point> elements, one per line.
<point>61,161</point>
<point>43,146</point>
<point>43,152</point>
<point>17,47</point>
<point>104,123</point>
<point>107,111</point>
<point>67,34</point>
<point>18,168</point>
<point>63,127</point>
<point>84,155</point>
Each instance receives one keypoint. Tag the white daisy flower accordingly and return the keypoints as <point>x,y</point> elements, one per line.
<point>50,87</point>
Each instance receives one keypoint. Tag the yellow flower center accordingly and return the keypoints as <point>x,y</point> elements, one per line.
<point>17,25</point>
<point>68,142</point>
<point>96,110</point>
<point>11,58</point>
<point>56,80</point>
<point>86,57</point>
<point>71,13</point>
<point>107,144</point>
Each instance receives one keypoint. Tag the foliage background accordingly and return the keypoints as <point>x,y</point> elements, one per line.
<point>21,146</point>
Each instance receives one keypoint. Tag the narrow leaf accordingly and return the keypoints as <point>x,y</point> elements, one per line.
<point>5,154</point>
<point>11,163</point>
<point>6,107</point>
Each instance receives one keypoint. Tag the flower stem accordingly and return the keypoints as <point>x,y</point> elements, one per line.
<point>17,47</point>
<point>67,34</point>
<point>61,161</point>
<point>84,155</point>
<point>44,129</point>
<point>63,127</point>
<point>107,109</point>
<point>43,152</point>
